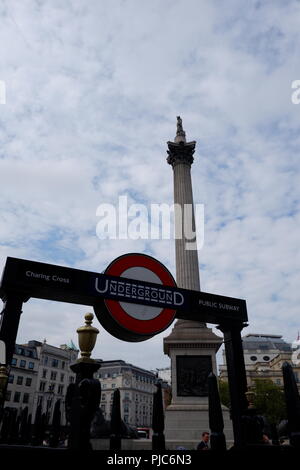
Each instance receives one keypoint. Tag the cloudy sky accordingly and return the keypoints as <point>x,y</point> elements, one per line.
<point>93,89</point>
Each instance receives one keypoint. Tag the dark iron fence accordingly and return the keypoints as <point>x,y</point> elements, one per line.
<point>82,402</point>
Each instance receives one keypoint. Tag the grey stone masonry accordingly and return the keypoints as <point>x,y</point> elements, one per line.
<point>180,156</point>
<point>190,345</point>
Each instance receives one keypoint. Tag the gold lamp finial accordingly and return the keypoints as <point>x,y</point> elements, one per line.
<point>87,335</point>
<point>250,396</point>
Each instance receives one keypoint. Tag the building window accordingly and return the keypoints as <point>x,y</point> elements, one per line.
<point>26,398</point>
<point>63,364</point>
<point>278,381</point>
<point>11,379</point>
<point>22,363</point>
<point>62,377</point>
<point>44,373</point>
<point>103,396</point>
<point>53,376</point>
<point>42,386</point>
<point>60,390</point>
<point>17,397</point>
<point>31,365</point>
<point>19,380</point>
<point>45,360</point>
<point>14,361</point>
<point>71,379</point>
<point>8,395</point>
<point>113,385</point>
<point>51,387</point>
<point>126,418</point>
<point>114,375</point>
<point>28,381</point>
<point>253,358</point>
<point>54,363</point>
<point>104,385</point>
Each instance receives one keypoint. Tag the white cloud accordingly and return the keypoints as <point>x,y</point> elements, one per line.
<point>92,91</point>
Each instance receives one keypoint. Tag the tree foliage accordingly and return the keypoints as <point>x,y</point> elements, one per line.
<point>224,393</point>
<point>269,399</point>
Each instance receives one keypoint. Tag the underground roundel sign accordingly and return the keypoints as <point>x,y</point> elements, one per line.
<point>132,321</point>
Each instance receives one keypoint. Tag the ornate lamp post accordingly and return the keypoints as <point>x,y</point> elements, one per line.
<point>83,397</point>
<point>87,336</point>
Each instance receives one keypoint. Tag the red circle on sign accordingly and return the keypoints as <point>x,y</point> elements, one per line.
<point>143,327</point>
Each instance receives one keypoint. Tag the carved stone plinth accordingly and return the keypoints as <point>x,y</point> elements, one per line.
<point>192,350</point>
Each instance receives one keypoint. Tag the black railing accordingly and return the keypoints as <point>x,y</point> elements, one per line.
<point>82,403</point>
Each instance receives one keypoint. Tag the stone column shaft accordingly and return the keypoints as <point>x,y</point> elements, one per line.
<point>191,346</point>
<point>187,266</point>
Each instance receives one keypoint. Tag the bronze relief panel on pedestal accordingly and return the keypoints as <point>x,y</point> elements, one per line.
<point>192,374</point>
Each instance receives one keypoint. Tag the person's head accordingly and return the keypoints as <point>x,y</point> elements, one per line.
<point>205,436</point>
<point>265,438</point>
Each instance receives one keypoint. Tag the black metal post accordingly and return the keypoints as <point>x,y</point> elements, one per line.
<point>37,432</point>
<point>82,401</point>
<point>236,377</point>
<point>158,420</point>
<point>10,318</point>
<point>4,429</point>
<point>9,323</point>
<point>55,427</point>
<point>48,413</point>
<point>14,430</point>
<point>23,426</point>
<point>28,429</point>
<point>292,399</point>
<point>216,423</point>
<point>115,423</point>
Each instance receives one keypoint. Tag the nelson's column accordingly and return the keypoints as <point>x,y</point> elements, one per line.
<point>191,346</point>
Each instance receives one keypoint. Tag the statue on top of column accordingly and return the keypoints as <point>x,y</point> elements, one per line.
<point>180,134</point>
<point>179,124</point>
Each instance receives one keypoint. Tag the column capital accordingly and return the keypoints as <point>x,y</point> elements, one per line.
<point>181,152</point>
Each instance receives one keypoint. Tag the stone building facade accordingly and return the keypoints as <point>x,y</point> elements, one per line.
<point>136,387</point>
<point>264,356</point>
<point>40,374</point>
<point>22,380</point>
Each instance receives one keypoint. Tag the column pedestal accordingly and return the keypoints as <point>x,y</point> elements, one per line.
<point>192,350</point>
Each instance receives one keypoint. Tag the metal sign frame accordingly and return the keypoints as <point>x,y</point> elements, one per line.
<point>52,282</point>
<point>23,279</point>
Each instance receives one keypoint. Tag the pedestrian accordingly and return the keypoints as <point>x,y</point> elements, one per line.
<point>203,444</point>
<point>266,439</point>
